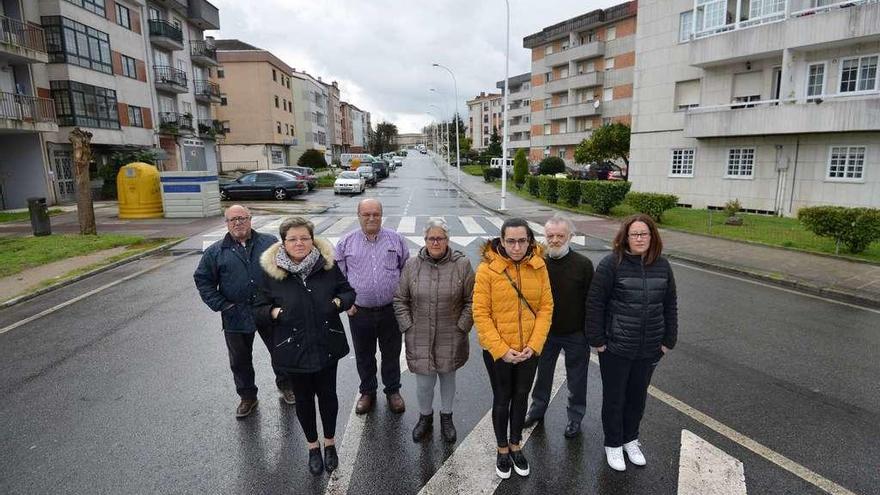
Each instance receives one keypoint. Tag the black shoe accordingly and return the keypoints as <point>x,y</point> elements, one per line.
<point>572,429</point>
<point>316,464</point>
<point>423,428</point>
<point>447,429</point>
<point>520,464</point>
<point>502,466</point>
<point>531,418</point>
<point>331,460</point>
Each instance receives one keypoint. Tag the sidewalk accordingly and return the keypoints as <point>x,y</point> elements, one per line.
<point>835,278</point>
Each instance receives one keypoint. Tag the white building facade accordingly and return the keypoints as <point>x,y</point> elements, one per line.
<point>311,101</point>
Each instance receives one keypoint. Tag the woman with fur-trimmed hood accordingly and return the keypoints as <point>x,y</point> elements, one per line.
<point>300,299</point>
<point>513,307</point>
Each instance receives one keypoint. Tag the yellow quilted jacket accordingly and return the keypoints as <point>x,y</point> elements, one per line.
<point>504,322</point>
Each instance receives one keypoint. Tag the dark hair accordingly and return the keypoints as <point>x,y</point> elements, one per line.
<point>511,223</point>
<point>621,240</point>
<point>294,222</point>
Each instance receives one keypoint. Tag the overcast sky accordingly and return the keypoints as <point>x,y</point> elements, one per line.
<point>381,51</point>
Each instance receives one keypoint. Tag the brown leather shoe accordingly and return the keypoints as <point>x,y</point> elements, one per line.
<point>395,403</point>
<point>245,408</point>
<point>365,404</point>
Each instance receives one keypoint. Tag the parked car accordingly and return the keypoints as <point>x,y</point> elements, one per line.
<point>368,174</point>
<point>397,161</point>
<point>349,182</point>
<point>381,168</point>
<point>264,184</point>
<point>603,171</point>
<point>306,173</point>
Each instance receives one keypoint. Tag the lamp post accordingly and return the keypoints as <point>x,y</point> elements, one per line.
<point>445,113</point>
<point>457,140</point>
<point>504,110</point>
<point>446,124</point>
<point>434,129</point>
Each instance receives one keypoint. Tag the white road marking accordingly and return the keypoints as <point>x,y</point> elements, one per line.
<point>471,225</point>
<point>704,469</point>
<point>495,221</point>
<point>538,228</point>
<point>471,468</point>
<point>341,226</point>
<point>417,240</point>
<point>333,240</point>
<point>84,296</point>
<point>407,225</point>
<point>462,241</point>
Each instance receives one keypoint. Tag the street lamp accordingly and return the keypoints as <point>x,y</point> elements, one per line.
<point>434,129</point>
<point>457,141</point>
<point>442,112</point>
<point>445,113</point>
<point>504,110</point>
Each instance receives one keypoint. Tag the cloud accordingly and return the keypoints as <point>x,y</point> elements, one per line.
<point>381,51</point>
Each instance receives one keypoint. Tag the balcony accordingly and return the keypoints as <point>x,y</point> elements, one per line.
<point>563,139</point>
<point>210,129</point>
<point>165,35</point>
<point>27,113</point>
<point>581,52</point>
<point>519,111</point>
<point>767,36</point>
<point>587,80</point>
<point>22,43</point>
<point>203,54</point>
<point>774,117</point>
<point>585,109</point>
<point>521,127</point>
<point>175,123</point>
<point>170,79</point>
<point>522,143</point>
<point>203,14</point>
<point>207,91</point>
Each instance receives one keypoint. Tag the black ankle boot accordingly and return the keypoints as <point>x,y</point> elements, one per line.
<point>447,429</point>
<point>423,428</point>
<point>331,460</point>
<point>316,464</point>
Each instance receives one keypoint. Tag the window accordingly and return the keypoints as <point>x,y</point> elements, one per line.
<point>561,152</point>
<point>763,8</point>
<point>611,34</point>
<point>685,26</point>
<point>71,42</point>
<point>548,49</point>
<point>129,67</point>
<point>276,101</point>
<point>277,156</point>
<point>154,14</point>
<point>223,100</point>
<point>687,95</point>
<point>563,72</point>
<point>135,116</point>
<point>607,94</point>
<point>846,163</point>
<point>278,127</point>
<point>587,37</point>
<point>562,127</point>
<point>221,73</point>
<point>858,74</point>
<point>609,63</point>
<point>582,124</point>
<point>712,13</point>
<point>287,129</point>
<point>96,6</point>
<point>546,129</point>
<point>548,76</point>
<point>682,162</point>
<point>123,16</point>
<point>815,80</point>
<point>84,105</point>
<point>274,75</point>
<point>606,120</point>
<point>740,162</point>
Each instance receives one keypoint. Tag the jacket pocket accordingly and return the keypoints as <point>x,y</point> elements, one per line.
<point>288,352</point>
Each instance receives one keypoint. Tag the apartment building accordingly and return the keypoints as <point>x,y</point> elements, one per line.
<point>257,107</point>
<point>356,128</point>
<point>334,122</point>
<point>519,111</point>
<point>581,78</point>
<point>311,99</point>
<point>26,110</point>
<point>484,116</point>
<point>774,103</point>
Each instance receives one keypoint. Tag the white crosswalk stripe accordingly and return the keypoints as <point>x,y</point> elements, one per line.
<point>407,225</point>
<point>341,226</point>
<point>471,225</point>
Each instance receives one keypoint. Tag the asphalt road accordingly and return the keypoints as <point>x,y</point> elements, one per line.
<point>128,390</point>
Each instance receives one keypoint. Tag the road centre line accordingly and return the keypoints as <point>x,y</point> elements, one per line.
<point>80,297</point>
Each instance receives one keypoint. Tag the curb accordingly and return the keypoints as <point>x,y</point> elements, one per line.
<point>20,299</point>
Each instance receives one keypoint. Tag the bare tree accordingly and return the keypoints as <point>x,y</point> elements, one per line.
<point>82,155</point>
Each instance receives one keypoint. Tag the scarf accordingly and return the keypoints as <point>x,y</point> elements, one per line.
<point>303,268</point>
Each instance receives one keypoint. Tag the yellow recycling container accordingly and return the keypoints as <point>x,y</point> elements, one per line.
<point>137,186</point>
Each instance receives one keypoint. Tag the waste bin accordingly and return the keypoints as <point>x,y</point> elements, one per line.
<point>39,216</point>
<point>137,186</point>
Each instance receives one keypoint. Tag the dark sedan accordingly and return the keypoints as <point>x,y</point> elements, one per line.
<point>264,184</point>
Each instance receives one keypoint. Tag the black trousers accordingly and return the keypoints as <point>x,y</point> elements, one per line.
<point>624,392</point>
<point>241,360</point>
<point>511,384</point>
<point>320,384</point>
<point>577,357</point>
<point>369,326</point>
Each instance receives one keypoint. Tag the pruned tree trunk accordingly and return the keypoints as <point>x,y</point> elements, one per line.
<point>82,155</point>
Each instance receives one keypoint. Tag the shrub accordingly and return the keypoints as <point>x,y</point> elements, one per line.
<point>603,195</point>
<point>532,185</point>
<point>520,168</point>
<point>652,204</point>
<point>548,188</point>
<point>551,165</point>
<point>312,158</point>
<point>732,207</point>
<point>855,228</point>
<point>569,192</point>
<point>490,174</point>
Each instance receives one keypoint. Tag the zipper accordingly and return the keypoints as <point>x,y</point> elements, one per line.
<point>519,309</point>
<point>644,306</point>
<point>285,341</point>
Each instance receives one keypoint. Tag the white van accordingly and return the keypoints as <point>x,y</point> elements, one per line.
<point>496,163</point>
<point>346,158</point>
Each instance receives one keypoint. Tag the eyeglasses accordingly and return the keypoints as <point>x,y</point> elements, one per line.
<point>370,215</point>
<point>238,219</point>
<point>294,240</point>
<point>514,242</point>
<point>436,240</point>
<point>637,235</point>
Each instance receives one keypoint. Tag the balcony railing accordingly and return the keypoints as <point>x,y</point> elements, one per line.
<point>165,29</point>
<point>207,89</point>
<point>15,32</point>
<point>170,75</point>
<point>27,108</point>
<point>210,127</point>
<point>202,50</point>
<point>173,122</point>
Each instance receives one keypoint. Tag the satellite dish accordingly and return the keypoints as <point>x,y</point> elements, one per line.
<point>596,104</point>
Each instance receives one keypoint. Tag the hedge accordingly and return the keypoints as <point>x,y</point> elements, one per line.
<point>652,204</point>
<point>551,165</point>
<point>490,174</point>
<point>532,185</point>
<point>603,195</point>
<point>548,188</point>
<point>569,192</point>
<point>855,228</point>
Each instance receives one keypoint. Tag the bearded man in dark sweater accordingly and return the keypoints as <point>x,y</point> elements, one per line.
<point>570,277</point>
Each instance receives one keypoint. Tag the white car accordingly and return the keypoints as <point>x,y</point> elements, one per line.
<point>397,161</point>
<point>349,182</point>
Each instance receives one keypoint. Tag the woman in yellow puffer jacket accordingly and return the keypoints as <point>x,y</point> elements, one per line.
<point>512,307</point>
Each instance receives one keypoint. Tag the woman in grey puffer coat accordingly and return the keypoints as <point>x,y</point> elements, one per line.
<point>433,308</point>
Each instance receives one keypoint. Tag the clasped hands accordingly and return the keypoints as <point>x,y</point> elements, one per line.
<point>513,357</point>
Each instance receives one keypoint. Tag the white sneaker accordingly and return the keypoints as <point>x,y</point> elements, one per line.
<point>614,455</point>
<point>634,453</point>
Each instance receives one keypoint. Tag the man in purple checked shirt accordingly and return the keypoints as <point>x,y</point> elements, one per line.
<point>372,258</point>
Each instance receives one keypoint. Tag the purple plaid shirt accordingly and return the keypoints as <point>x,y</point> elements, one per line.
<point>372,267</point>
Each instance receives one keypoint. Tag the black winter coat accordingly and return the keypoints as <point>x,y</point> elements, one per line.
<point>227,279</point>
<point>632,308</point>
<point>308,335</point>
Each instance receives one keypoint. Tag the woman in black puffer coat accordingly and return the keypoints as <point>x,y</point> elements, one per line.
<point>632,321</point>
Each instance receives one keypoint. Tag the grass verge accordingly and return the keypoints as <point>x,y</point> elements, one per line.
<point>20,253</point>
<point>326,180</point>
<point>17,216</point>
<point>475,170</point>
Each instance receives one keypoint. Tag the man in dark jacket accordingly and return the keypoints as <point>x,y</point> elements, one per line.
<point>570,277</point>
<point>227,279</point>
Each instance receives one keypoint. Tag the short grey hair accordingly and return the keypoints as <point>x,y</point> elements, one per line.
<point>558,219</point>
<point>436,223</point>
<point>294,222</point>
